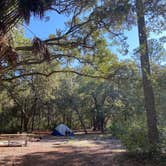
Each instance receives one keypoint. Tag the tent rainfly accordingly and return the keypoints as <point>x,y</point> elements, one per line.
<point>62,130</point>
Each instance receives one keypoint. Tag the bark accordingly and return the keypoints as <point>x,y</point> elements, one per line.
<point>94,121</point>
<point>69,119</point>
<point>21,122</point>
<point>146,73</point>
<point>26,121</point>
<point>81,120</point>
<point>39,119</point>
<point>96,125</point>
<point>34,114</point>
<point>48,115</point>
<point>102,120</point>
<point>102,125</point>
<point>64,118</point>
<point>48,118</point>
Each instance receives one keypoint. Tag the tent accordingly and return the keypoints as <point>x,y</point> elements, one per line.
<point>62,130</point>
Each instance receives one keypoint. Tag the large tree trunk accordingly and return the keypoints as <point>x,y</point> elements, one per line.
<point>146,73</point>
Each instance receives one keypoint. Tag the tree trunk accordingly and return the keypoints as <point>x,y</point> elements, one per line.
<point>34,114</point>
<point>102,122</point>
<point>94,121</point>
<point>21,122</point>
<point>69,119</point>
<point>26,120</point>
<point>48,116</point>
<point>147,83</point>
<point>81,120</point>
<point>64,118</point>
<point>39,119</point>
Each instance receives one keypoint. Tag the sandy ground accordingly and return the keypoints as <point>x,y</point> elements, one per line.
<point>77,151</point>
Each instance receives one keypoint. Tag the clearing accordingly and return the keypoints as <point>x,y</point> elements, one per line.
<point>80,150</point>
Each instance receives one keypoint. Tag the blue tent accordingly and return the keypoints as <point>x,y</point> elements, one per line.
<point>62,130</point>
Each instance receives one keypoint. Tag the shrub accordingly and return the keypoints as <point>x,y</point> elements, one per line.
<point>116,129</point>
<point>133,135</point>
<point>135,138</point>
<point>162,132</point>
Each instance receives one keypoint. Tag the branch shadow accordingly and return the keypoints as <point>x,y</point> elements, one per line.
<point>107,153</point>
<point>55,158</point>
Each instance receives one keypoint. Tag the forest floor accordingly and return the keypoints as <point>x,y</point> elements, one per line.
<point>80,150</point>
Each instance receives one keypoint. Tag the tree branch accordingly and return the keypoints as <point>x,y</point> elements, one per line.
<point>60,71</point>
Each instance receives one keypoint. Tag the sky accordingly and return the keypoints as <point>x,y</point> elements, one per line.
<point>43,28</point>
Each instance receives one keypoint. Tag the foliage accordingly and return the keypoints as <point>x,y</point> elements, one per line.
<point>136,138</point>
<point>133,134</point>
<point>162,143</point>
<point>38,85</point>
<point>116,129</point>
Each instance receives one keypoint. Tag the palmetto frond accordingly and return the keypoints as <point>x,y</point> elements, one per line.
<point>26,8</point>
<point>11,11</point>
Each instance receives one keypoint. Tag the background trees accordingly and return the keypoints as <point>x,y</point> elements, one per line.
<point>115,16</point>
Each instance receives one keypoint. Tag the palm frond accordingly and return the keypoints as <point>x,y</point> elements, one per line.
<point>30,7</point>
<point>11,11</point>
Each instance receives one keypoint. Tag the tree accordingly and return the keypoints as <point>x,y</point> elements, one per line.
<point>146,73</point>
<point>114,17</point>
<point>14,12</point>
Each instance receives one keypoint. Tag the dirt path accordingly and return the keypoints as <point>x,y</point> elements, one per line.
<point>67,152</point>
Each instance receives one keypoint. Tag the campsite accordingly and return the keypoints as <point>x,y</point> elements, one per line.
<point>94,149</point>
<point>82,82</point>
